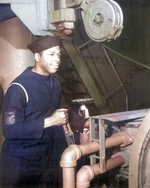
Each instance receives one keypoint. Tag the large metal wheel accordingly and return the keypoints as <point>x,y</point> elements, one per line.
<point>139,166</point>
<point>144,164</point>
<point>103,20</point>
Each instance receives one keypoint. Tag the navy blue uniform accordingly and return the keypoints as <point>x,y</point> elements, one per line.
<point>31,154</point>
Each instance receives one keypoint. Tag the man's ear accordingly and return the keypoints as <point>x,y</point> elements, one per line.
<point>37,56</point>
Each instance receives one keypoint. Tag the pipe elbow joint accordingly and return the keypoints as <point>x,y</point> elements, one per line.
<point>125,137</point>
<point>84,175</point>
<point>70,156</point>
<point>128,138</point>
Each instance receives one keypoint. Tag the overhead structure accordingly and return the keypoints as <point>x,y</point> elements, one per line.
<point>87,79</point>
<point>102,19</point>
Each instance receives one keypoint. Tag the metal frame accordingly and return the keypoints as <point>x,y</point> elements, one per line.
<point>97,134</point>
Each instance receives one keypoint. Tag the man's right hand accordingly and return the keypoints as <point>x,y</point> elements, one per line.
<point>59,117</point>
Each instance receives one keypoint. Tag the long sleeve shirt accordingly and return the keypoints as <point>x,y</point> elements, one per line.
<point>29,99</point>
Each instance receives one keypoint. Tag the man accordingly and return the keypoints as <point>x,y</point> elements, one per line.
<point>31,122</point>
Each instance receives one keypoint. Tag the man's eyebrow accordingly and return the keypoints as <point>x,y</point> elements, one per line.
<point>53,51</point>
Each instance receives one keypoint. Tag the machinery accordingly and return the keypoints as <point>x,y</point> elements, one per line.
<point>103,19</point>
<point>126,134</point>
<point>129,131</point>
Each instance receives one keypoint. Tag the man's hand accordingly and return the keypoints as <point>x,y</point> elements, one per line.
<point>59,117</point>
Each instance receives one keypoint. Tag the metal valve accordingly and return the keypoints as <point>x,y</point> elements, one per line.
<point>83,110</point>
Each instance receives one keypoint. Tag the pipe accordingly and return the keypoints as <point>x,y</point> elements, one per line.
<point>69,177</point>
<point>85,136</point>
<point>89,148</point>
<point>84,175</point>
<point>74,152</point>
<point>87,173</point>
<point>69,160</point>
<point>121,138</point>
<point>70,156</point>
<point>115,162</point>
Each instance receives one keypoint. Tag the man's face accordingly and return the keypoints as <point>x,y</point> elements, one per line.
<point>49,61</point>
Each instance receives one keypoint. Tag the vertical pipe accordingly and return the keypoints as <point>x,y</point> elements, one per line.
<point>69,177</point>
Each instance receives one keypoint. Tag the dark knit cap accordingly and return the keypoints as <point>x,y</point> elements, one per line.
<point>43,43</point>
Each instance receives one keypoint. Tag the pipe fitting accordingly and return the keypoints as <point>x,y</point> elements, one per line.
<point>122,138</point>
<point>127,138</point>
<point>84,175</point>
<point>70,156</point>
<point>129,134</point>
<point>87,173</point>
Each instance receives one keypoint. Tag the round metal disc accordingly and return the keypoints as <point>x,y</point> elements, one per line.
<point>100,20</point>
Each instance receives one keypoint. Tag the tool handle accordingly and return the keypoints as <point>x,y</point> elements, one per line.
<point>69,134</point>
